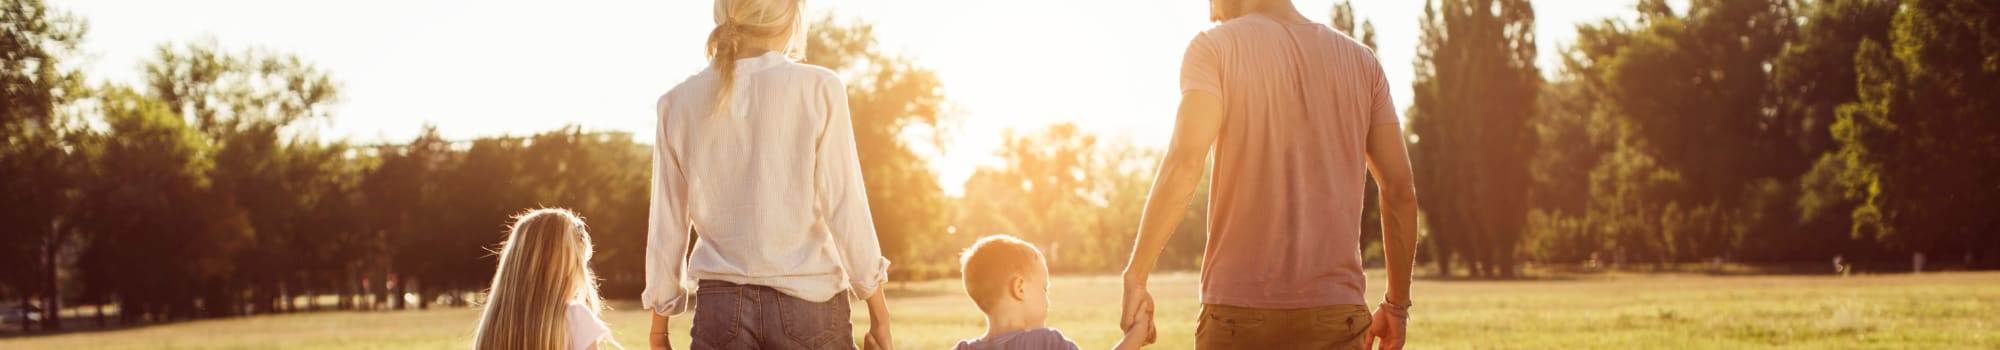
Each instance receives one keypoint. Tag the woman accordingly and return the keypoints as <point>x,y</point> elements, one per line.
<point>757,153</point>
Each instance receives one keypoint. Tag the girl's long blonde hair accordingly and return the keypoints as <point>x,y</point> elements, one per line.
<point>543,268</point>
<point>746,21</point>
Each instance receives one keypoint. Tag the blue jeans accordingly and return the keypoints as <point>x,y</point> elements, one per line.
<point>733,316</point>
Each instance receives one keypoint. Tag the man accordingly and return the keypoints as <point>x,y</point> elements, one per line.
<point>1294,111</point>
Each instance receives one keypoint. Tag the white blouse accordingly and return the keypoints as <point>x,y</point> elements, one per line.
<point>773,187</point>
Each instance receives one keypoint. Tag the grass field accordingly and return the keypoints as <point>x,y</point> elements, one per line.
<point>1593,311</point>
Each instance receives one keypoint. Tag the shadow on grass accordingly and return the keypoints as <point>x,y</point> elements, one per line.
<point>77,325</point>
<point>80,323</point>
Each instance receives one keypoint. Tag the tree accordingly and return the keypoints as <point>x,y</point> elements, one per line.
<point>1697,88</point>
<point>1476,88</point>
<point>152,202</point>
<point>1044,194</point>
<point>1678,121</point>
<point>893,102</point>
<point>38,171</point>
<point>1915,147</point>
<point>1075,197</point>
<point>603,176</point>
<point>1343,19</point>
<point>1814,76</point>
<point>402,196</point>
<point>244,103</point>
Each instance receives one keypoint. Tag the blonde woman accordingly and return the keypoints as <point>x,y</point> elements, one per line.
<point>544,295</point>
<point>757,153</point>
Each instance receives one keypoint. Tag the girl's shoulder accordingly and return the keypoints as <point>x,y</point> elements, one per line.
<point>584,326</point>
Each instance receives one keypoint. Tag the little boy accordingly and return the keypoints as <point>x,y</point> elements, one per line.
<point>1009,281</point>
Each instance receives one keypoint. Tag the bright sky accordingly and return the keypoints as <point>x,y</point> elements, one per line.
<point>492,67</point>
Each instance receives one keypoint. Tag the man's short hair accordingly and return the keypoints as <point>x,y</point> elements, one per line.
<point>986,266</point>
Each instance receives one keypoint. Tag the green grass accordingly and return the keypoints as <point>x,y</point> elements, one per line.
<point>1600,311</point>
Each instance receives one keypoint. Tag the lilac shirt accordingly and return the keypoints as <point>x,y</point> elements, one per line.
<point>1033,339</point>
<point>1284,219</point>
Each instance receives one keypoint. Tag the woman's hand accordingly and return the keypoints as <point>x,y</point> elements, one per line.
<point>878,322</point>
<point>657,337</point>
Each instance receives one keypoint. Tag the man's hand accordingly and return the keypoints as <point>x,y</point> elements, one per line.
<point>657,336</point>
<point>1137,336</point>
<point>1390,326</point>
<point>1137,314</point>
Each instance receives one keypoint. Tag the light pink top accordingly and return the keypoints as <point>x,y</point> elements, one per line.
<point>1284,219</point>
<point>585,329</point>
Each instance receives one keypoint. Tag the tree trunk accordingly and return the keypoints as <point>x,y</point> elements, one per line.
<point>346,291</point>
<point>52,304</point>
<point>24,319</point>
<point>423,297</point>
<point>1443,262</point>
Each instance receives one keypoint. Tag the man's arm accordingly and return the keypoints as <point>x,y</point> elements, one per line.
<point>1390,163</point>
<point>1195,129</point>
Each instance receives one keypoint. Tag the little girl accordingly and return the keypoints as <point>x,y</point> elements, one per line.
<point>544,295</point>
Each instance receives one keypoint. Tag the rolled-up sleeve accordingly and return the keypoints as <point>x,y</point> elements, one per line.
<point>843,197</point>
<point>667,230</point>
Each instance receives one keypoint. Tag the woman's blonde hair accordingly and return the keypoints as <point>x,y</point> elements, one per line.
<point>741,21</point>
<point>543,268</point>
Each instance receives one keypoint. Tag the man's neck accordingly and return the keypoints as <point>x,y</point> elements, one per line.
<point>1282,11</point>
<point>1007,322</point>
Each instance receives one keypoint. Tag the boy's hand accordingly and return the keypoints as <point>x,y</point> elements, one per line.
<point>1142,330</point>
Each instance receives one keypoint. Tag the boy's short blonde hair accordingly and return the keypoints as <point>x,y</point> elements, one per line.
<point>988,264</point>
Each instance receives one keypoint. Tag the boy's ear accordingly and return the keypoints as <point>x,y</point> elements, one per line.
<point>1017,287</point>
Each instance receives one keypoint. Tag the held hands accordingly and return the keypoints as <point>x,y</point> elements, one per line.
<point>878,337</point>
<point>1137,315</point>
<point>1390,327</point>
<point>878,323</point>
<point>1139,335</point>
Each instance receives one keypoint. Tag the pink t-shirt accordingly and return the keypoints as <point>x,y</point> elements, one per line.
<point>1284,217</point>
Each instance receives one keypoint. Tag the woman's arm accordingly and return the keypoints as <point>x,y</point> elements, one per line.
<point>667,238</point>
<point>657,337</point>
<point>878,322</point>
<point>837,173</point>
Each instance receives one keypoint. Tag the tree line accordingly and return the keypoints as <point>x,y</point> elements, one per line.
<point>206,190</point>
<point>1766,131</point>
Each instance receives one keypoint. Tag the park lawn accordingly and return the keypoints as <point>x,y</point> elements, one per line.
<point>1590,311</point>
